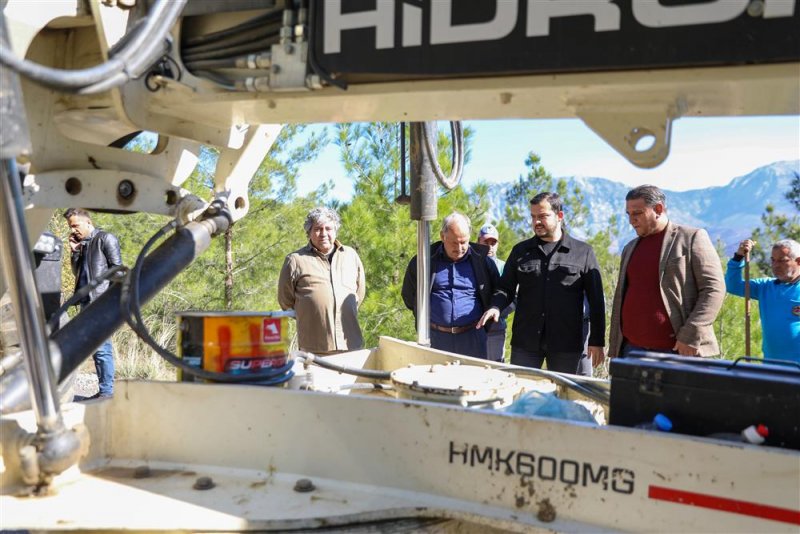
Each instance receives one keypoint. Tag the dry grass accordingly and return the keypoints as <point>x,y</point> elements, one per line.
<point>135,360</point>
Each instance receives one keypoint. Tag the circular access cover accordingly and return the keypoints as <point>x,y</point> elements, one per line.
<point>467,385</point>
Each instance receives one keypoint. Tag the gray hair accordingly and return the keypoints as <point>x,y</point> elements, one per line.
<point>651,195</point>
<point>456,218</point>
<point>791,244</point>
<point>320,215</point>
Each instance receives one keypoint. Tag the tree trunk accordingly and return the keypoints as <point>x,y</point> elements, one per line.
<point>229,268</point>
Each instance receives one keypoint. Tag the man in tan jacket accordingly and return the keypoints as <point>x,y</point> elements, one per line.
<point>324,283</point>
<point>670,286</point>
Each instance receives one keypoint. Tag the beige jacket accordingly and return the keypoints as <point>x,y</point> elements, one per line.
<point>692,288</point>
<point>325,296</point>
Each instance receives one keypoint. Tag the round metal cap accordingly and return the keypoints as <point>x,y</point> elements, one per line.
<point>467,385</point>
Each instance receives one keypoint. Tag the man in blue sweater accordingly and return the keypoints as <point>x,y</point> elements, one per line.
<point>778,298</point>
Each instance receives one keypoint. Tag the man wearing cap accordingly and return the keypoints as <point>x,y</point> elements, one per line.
<point>551,274</point>
<point>496,333</point>
<point>463,279</point>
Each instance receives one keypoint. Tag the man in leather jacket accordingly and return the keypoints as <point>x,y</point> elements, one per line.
<point>93,251</point>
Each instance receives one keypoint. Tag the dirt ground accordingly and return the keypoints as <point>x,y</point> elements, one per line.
<point>85,385</point>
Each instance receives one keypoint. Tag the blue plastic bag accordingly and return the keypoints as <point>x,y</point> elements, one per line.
<point>548,405</point>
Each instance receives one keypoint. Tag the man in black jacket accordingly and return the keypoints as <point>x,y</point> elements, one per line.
<point>463,278</point>
<point>93,252</point>
<point>551,274</point>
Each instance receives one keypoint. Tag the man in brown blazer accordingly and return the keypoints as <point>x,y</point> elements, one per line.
<point>670,286</point>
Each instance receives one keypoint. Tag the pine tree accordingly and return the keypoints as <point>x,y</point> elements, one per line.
<point>539,180</point>
<point>776,226</point>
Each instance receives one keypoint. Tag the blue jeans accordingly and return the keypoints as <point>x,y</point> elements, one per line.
<point>104,364</point>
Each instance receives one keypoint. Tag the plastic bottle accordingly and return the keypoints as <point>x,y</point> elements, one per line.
<point>755,434</point>
<point>660,422</point>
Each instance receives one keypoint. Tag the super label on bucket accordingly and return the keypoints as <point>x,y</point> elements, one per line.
<point>242,344</point>
<point>234,343</point>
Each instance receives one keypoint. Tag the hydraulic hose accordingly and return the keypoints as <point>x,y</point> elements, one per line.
<point>131,311</point>
<point>233,31</point>
<point>258,45</point>
<point>245,37</point>
<point>586,389</point>
<point>451,181</point>
<point>87,330</point>
<point>222,63</point>
<point>83,292</point>
<point>322,362</point>
<point>128,63</point>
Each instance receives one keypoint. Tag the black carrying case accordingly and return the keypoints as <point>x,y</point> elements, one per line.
<point>703,397</point>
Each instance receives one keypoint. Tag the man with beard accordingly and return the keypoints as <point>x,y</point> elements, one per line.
<point>93,252</point>
<point>670,286</point>
<point>551,274</point>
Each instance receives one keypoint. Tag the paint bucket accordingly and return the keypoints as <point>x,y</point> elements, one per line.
<point>233,342</point>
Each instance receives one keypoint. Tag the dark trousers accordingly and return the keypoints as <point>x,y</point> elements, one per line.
<point>469,343</point>
<point>560,362</point>
<point>495,343</point>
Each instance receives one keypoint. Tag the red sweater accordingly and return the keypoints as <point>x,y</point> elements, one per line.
<point>645,321</point>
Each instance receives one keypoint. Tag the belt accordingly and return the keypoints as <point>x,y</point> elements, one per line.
<point>454,329</point>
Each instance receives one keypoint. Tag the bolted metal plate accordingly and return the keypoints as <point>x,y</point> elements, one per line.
<point>467,385</point>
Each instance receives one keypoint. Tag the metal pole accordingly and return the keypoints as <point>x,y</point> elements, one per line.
<point>747,304</point>
<point>422,209</point>
<point>423,283</point>
<point>15,254</point>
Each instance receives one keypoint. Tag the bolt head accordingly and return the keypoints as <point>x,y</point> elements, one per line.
<point>755,8</point>
<point>125,188</point>
<point>304,485</point>
<point>203,483</point>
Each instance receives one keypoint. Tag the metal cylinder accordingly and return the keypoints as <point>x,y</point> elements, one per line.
<point>14,137</point>
<point>81,336</point>
<point>86,331</point>
<point>423,209</point>
<point>17,262</point>
<point>423,283</point>
<point>423,181</point>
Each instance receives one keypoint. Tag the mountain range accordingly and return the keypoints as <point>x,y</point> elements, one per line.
<point>729,213</point>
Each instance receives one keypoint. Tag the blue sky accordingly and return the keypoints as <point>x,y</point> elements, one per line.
<point>704,152</point>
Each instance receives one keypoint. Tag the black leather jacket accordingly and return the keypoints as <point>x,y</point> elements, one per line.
<point>97,254</point>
